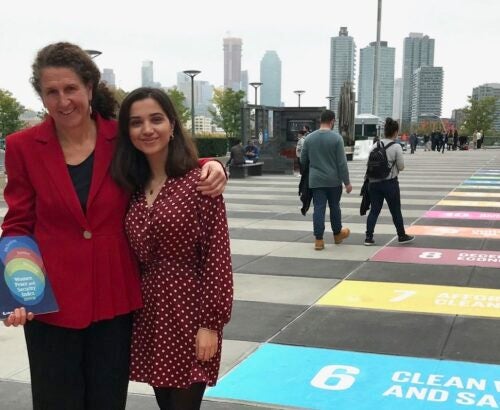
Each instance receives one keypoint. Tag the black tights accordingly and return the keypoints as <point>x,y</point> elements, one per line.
<point>171,398</point>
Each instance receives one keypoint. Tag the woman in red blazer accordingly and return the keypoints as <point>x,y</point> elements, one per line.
<point>60,191</point>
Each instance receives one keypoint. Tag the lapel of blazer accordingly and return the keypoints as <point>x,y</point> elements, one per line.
<point>52,157</point>
<point>104,148</point>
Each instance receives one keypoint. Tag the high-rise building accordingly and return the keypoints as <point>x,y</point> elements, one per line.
<point>418,52</point>
<point>385,83</point>
<point>427,93</point>
<point>108,76</point>
<point>244,82</point>
<point>397,100</point>
<point>147,73</point>
<point>342,64</point>
<point>270,76</point>
<point>490,90</point>
<point>232,62</point>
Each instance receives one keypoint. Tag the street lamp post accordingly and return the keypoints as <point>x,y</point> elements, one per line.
<point>299,93</point>
<point>192,74</point>
<point>93,53</point>
<point>255,85</point>
<point>330,98</point>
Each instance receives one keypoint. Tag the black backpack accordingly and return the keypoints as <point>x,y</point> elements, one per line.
<point>378,166</point>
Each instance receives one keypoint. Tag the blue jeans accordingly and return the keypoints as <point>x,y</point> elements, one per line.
<point>320,197</point>
<point>388,190</point>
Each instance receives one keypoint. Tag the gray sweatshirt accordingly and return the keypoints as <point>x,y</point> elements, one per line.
<point>323,151</point>
<point>394,157</point>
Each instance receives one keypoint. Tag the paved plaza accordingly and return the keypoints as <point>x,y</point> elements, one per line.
<point>352,327</point>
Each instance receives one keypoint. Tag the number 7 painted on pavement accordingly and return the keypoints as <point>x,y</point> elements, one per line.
<point>403,295</point>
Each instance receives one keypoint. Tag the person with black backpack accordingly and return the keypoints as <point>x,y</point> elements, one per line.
<point>385,161</point>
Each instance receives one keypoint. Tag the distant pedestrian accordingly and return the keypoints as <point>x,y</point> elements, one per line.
<point>455,140</point>
<point>480,137</point>
<point>388,188</point>
<point>413,143</point>
<point>449,140</point>
<point>306,129</point>
<point>444,141</point>
<point>433,140</point>
<point>427,142</point>
<point>323,152</point>
<point>298,147</point>
<point>474,139</point>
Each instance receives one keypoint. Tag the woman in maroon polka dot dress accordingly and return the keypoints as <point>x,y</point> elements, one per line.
<point>182,243</point>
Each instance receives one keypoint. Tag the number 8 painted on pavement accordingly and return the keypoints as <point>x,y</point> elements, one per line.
<point>344,378</point>
<point>430,255</point>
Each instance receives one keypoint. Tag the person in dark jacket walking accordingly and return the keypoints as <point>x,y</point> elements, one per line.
<point>455,140</point>
<point>444,141</point>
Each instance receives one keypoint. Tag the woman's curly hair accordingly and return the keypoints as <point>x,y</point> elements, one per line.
<point>67,55</point>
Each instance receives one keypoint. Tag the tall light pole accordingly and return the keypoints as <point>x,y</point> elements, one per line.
<point>330,98</point>
<point>255,85</point>
<point>299,93</point>
<point>192,74</point>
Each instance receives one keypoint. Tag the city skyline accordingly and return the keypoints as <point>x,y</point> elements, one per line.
<point>155,33</point>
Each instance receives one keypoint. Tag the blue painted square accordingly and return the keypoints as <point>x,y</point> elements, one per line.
<point>325,379</point>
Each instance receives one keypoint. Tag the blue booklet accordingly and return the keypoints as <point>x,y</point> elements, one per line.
<point>24,282</point>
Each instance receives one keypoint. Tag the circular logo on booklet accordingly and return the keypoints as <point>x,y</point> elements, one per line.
<point>25,280</point>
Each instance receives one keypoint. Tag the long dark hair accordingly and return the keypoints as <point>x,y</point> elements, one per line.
<point>67,55</point>
<point>391,127</point>
<point>129,167</point>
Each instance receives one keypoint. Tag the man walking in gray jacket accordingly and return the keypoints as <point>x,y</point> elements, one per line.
<point>323,152</point>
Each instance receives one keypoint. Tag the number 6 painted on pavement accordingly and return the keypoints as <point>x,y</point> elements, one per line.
<point>344,378</point>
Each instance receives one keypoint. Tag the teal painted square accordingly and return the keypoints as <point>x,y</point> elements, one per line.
<point>326,379</point>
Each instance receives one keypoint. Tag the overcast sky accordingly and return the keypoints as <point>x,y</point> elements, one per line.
<point>179,35</point>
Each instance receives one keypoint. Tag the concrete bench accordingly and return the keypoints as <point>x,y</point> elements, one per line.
<point>243,170</point>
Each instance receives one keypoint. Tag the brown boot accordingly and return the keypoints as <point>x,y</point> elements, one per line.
<point>319,244</point>
<point>343,234</point>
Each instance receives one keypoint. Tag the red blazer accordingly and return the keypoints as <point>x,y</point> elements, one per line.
<point>87,257</point>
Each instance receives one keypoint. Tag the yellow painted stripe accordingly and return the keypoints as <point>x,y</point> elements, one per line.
<point>489,187</point>
<point>475,194</point>
<point>473,204</point>
<point>454,231</point>
<point>407,297</point>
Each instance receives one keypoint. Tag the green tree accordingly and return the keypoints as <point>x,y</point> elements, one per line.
<point>227,113</point>
<point>479,115</point>
<point>119,94</point>
<point>178,99</point>
<point>10,110</point>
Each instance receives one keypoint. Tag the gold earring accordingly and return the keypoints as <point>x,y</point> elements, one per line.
<point>171,137</point>
<point>90,108</point>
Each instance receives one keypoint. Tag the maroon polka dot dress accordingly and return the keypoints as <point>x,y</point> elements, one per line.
<point>182,244</point>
